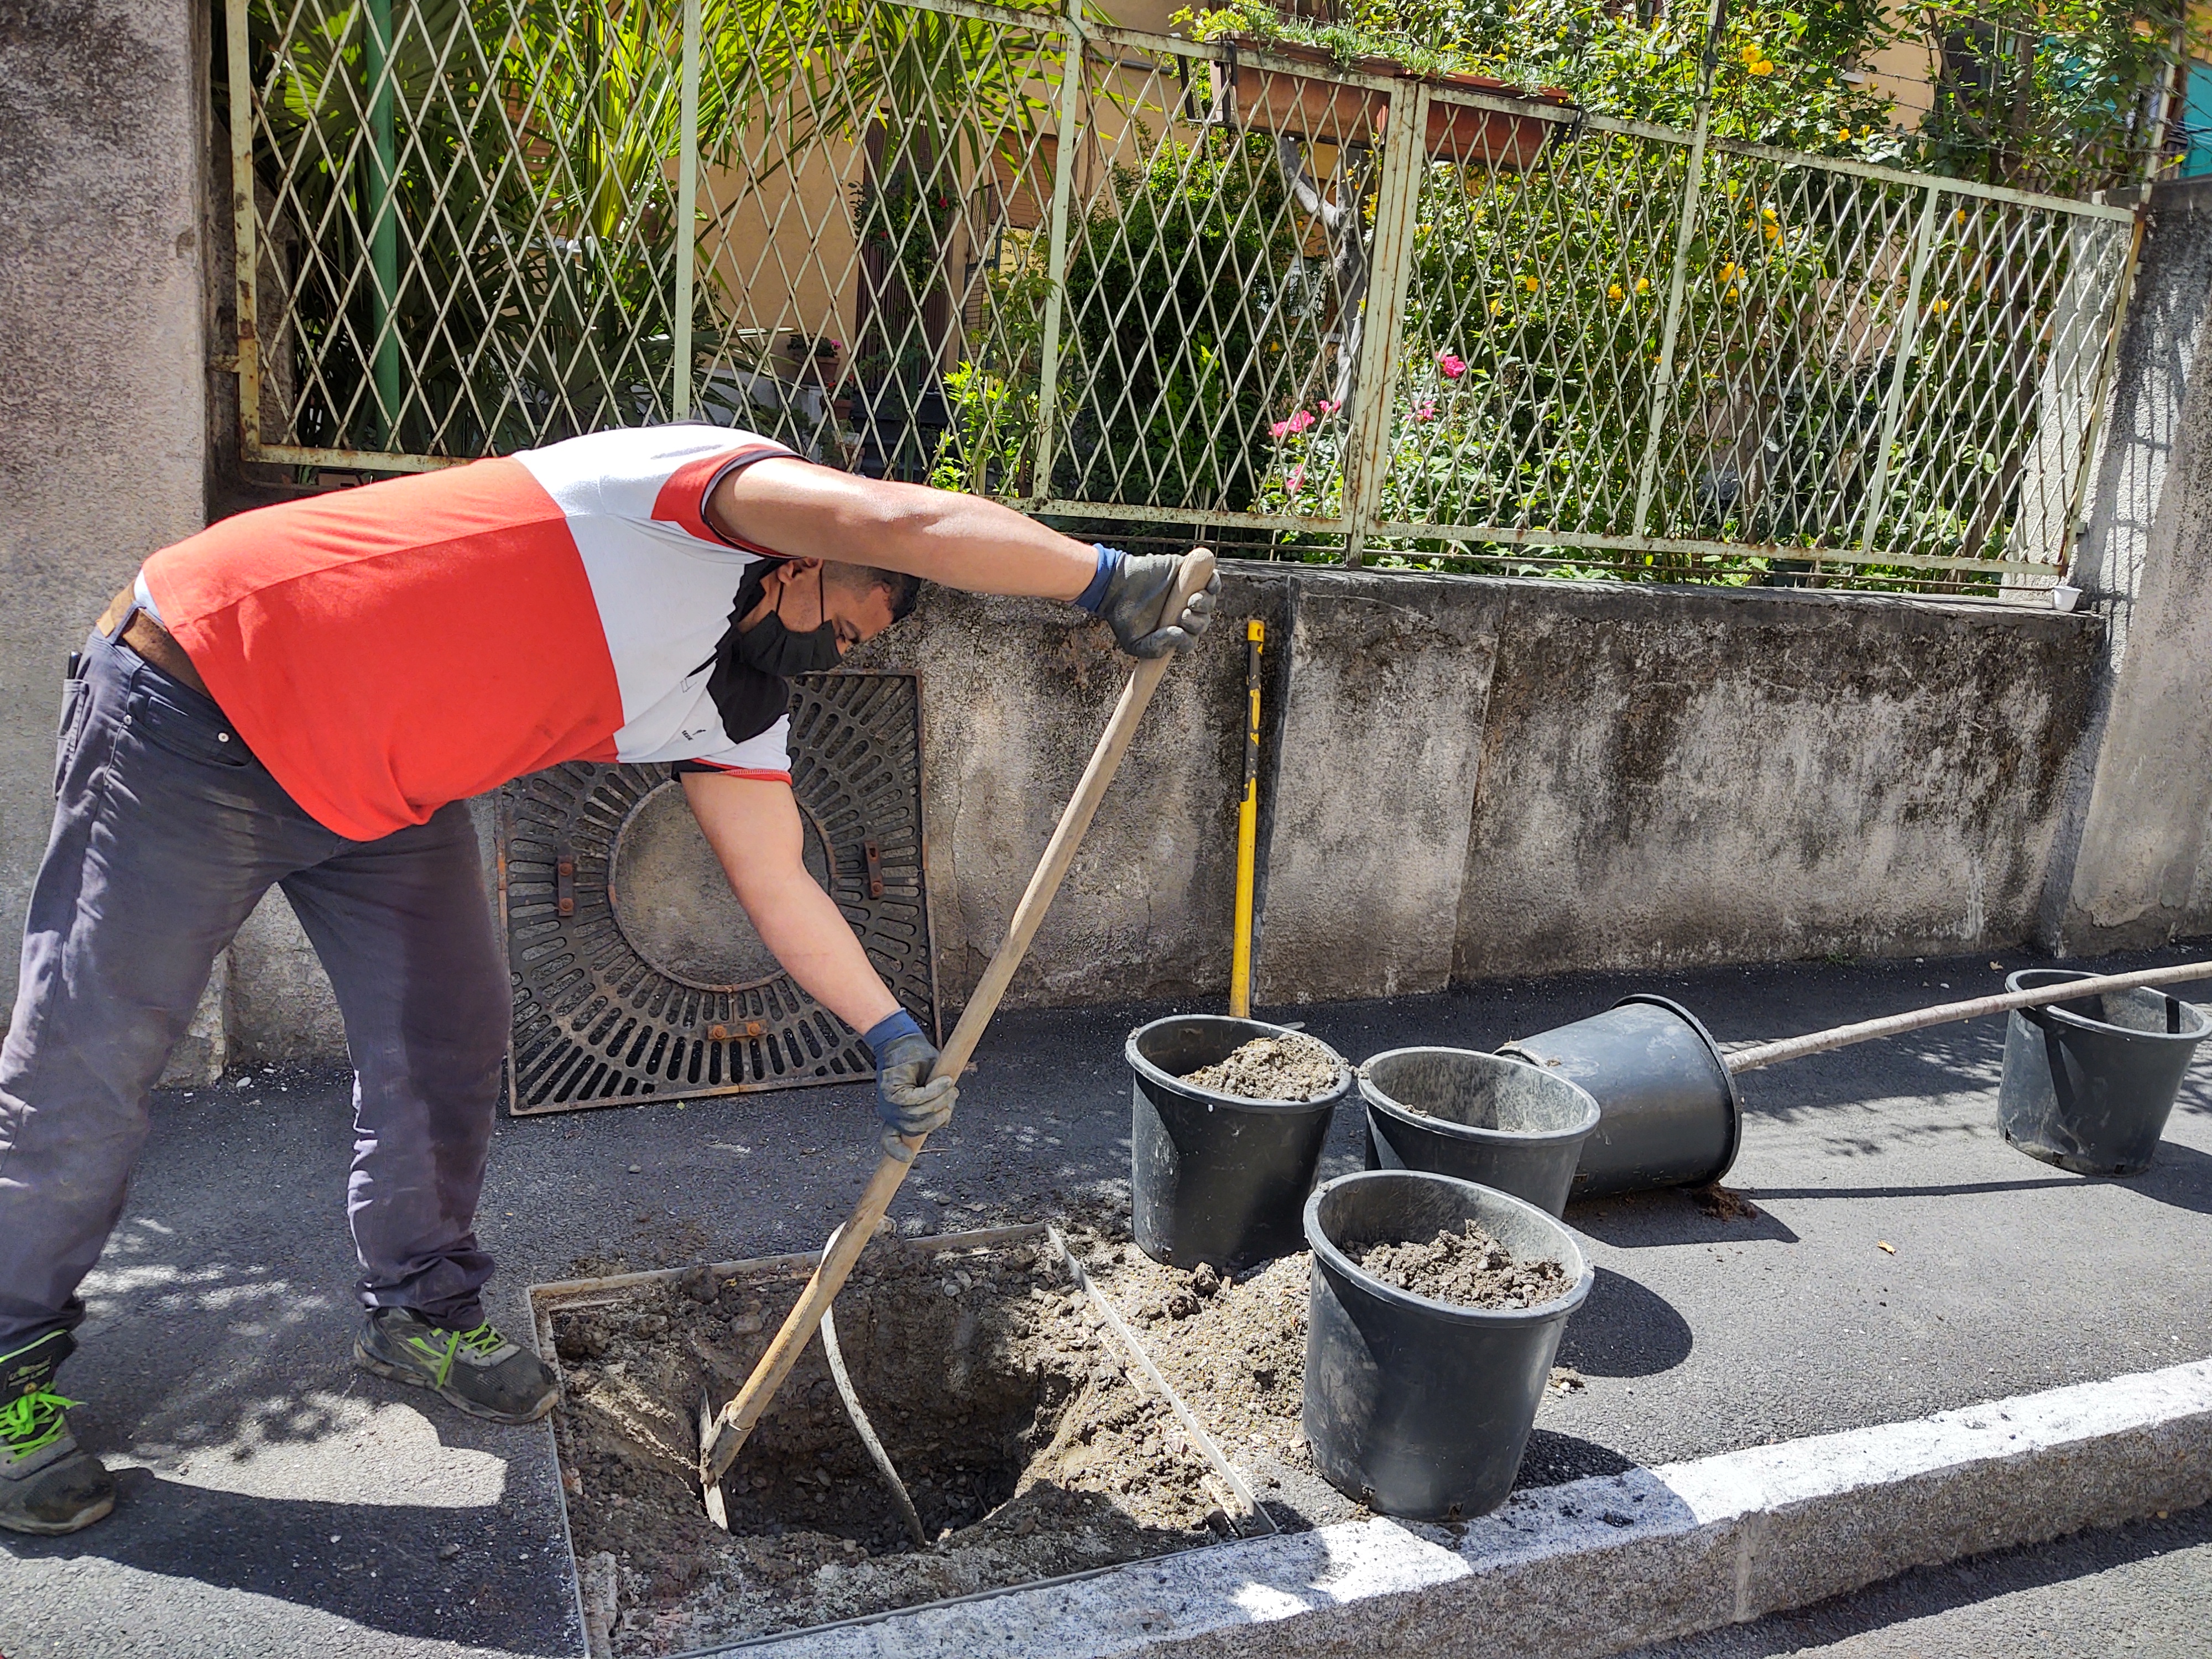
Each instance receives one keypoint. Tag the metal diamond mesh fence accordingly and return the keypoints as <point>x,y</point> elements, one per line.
<point>1156,290</point>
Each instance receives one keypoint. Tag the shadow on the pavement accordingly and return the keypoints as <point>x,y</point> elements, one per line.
<point>1941,1189</point>
<point>1551,1460</point>
<point>377,1566</point>
<point>2179,1176</point>
<point>1624,1329</point>
<point>1670,1216</point>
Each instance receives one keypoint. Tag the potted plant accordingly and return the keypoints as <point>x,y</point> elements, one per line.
<point>1257,83</point>
<point>1508,141</point>
<point>1312,106</point>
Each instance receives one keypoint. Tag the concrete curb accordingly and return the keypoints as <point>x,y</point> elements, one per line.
<point>1604,1564</point>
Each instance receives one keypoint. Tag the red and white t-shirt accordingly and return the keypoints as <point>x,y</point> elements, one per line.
<point>386,650</point>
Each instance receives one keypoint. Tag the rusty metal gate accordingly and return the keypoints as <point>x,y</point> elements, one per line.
<point>635,973</point>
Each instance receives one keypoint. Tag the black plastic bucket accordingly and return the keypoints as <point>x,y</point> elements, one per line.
<point>1491,1119</point>
<point>1421,1408</point>
<point>2089,1084</point>
<point>1669,1113</point>
<point>1217,1178</point>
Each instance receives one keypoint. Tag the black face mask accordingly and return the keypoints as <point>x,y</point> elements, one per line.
<point>751,670</point>
<point>773,648</point>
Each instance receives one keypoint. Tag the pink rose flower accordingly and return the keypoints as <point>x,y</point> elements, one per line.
<point>1452,367</point>
<point>1297,481</point>
<point>1278,428</point>
<point>1425,411</point>
<point>1301,421</point>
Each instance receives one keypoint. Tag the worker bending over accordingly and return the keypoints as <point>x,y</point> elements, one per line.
<point>307,695</point>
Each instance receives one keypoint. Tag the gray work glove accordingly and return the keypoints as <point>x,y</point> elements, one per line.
<point>1135,593</point>
<point>905,1097</point>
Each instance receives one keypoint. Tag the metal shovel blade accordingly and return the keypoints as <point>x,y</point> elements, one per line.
<point>718,1511</point>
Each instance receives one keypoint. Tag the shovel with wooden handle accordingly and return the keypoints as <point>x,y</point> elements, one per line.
<point>722,1436</point>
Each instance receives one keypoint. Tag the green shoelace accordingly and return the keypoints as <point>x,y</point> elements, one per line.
<point>31,1421</point>
<point>485,1339</point>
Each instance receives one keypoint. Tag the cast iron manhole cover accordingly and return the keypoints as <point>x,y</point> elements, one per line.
<point>636,972</point>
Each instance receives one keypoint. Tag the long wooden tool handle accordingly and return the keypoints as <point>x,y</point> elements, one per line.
<point>1842,1036</point>
<point>719,1448</point>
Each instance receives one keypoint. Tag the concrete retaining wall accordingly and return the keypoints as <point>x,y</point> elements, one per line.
<point>1463,779</point>
<point>1471,778</point>
<point>2136,868</point>
<point>103,378</point>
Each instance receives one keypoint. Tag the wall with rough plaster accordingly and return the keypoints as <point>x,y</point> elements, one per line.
<point>103,376</point>
<point>1469,778</point>
<point>2137,867</point>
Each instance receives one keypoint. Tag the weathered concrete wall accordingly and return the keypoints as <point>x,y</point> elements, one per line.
<point>1464,779</point>
<point>1372,795</point>
<point>2136,867</point>
<point>1015,694</point>
<point>1672,775</point>
<point>102,382</point>
<point>1468,778</point>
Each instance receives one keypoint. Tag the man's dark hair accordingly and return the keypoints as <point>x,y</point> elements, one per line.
<point>905,590</point>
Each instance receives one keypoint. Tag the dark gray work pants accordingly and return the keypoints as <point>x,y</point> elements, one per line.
<point>166,834</point>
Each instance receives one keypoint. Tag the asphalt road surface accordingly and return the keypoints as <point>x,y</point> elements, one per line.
<point>277,1501</point>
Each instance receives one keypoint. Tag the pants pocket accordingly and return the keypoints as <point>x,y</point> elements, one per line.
<point>76,697</point>
<point>194,730</point>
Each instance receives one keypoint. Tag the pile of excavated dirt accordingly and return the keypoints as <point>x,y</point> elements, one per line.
<point>1470,1268</point>
<point>1006,1408</point>
<point>1235,1349</point>
<point>1287,1068</point>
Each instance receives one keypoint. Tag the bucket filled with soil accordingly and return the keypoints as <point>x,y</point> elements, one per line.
<point>1019,1422</point>
<point>1490,1119</point>
<point>1668,1112</point>
<point>1436,1307</point>
<point>2089,1083</point>
<point>1227,1121</point>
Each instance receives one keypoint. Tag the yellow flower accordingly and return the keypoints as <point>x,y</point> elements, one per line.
<point>1940,306</point>
<point>1842,135</point>
<point>1774,232</point>
<point>1763,67</point>
<point>1614,293</point>
<point>1753,53</point>
<point>1766,213</point>
<point>1960,217</point>
<point>1731,294</point>
<point>1643,285</point>
<point>1531,283</point>
<point>1497,308</point>
<point>1731,272</point>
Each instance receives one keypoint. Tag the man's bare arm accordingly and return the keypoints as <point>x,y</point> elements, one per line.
<point>794,507</point>
<point>752,824</point>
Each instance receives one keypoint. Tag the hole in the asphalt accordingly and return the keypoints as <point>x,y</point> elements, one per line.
<point>1005,1407</point>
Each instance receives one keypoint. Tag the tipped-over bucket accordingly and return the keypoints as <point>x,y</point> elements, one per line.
<point>1486,1118</point>
<point>1417,1408</point>
<point>1669,1113</point>
<point>2089,1084</point>
<point>1217,1178</point>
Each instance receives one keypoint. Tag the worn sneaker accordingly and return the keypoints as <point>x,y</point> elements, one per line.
<point>479,1370</point>
<point>48,1483</point>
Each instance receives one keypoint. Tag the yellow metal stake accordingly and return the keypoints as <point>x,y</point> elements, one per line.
<point>1248,829</point>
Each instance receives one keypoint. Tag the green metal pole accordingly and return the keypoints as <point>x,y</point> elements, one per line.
<point>687,215</point>
<point>383,223</point>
